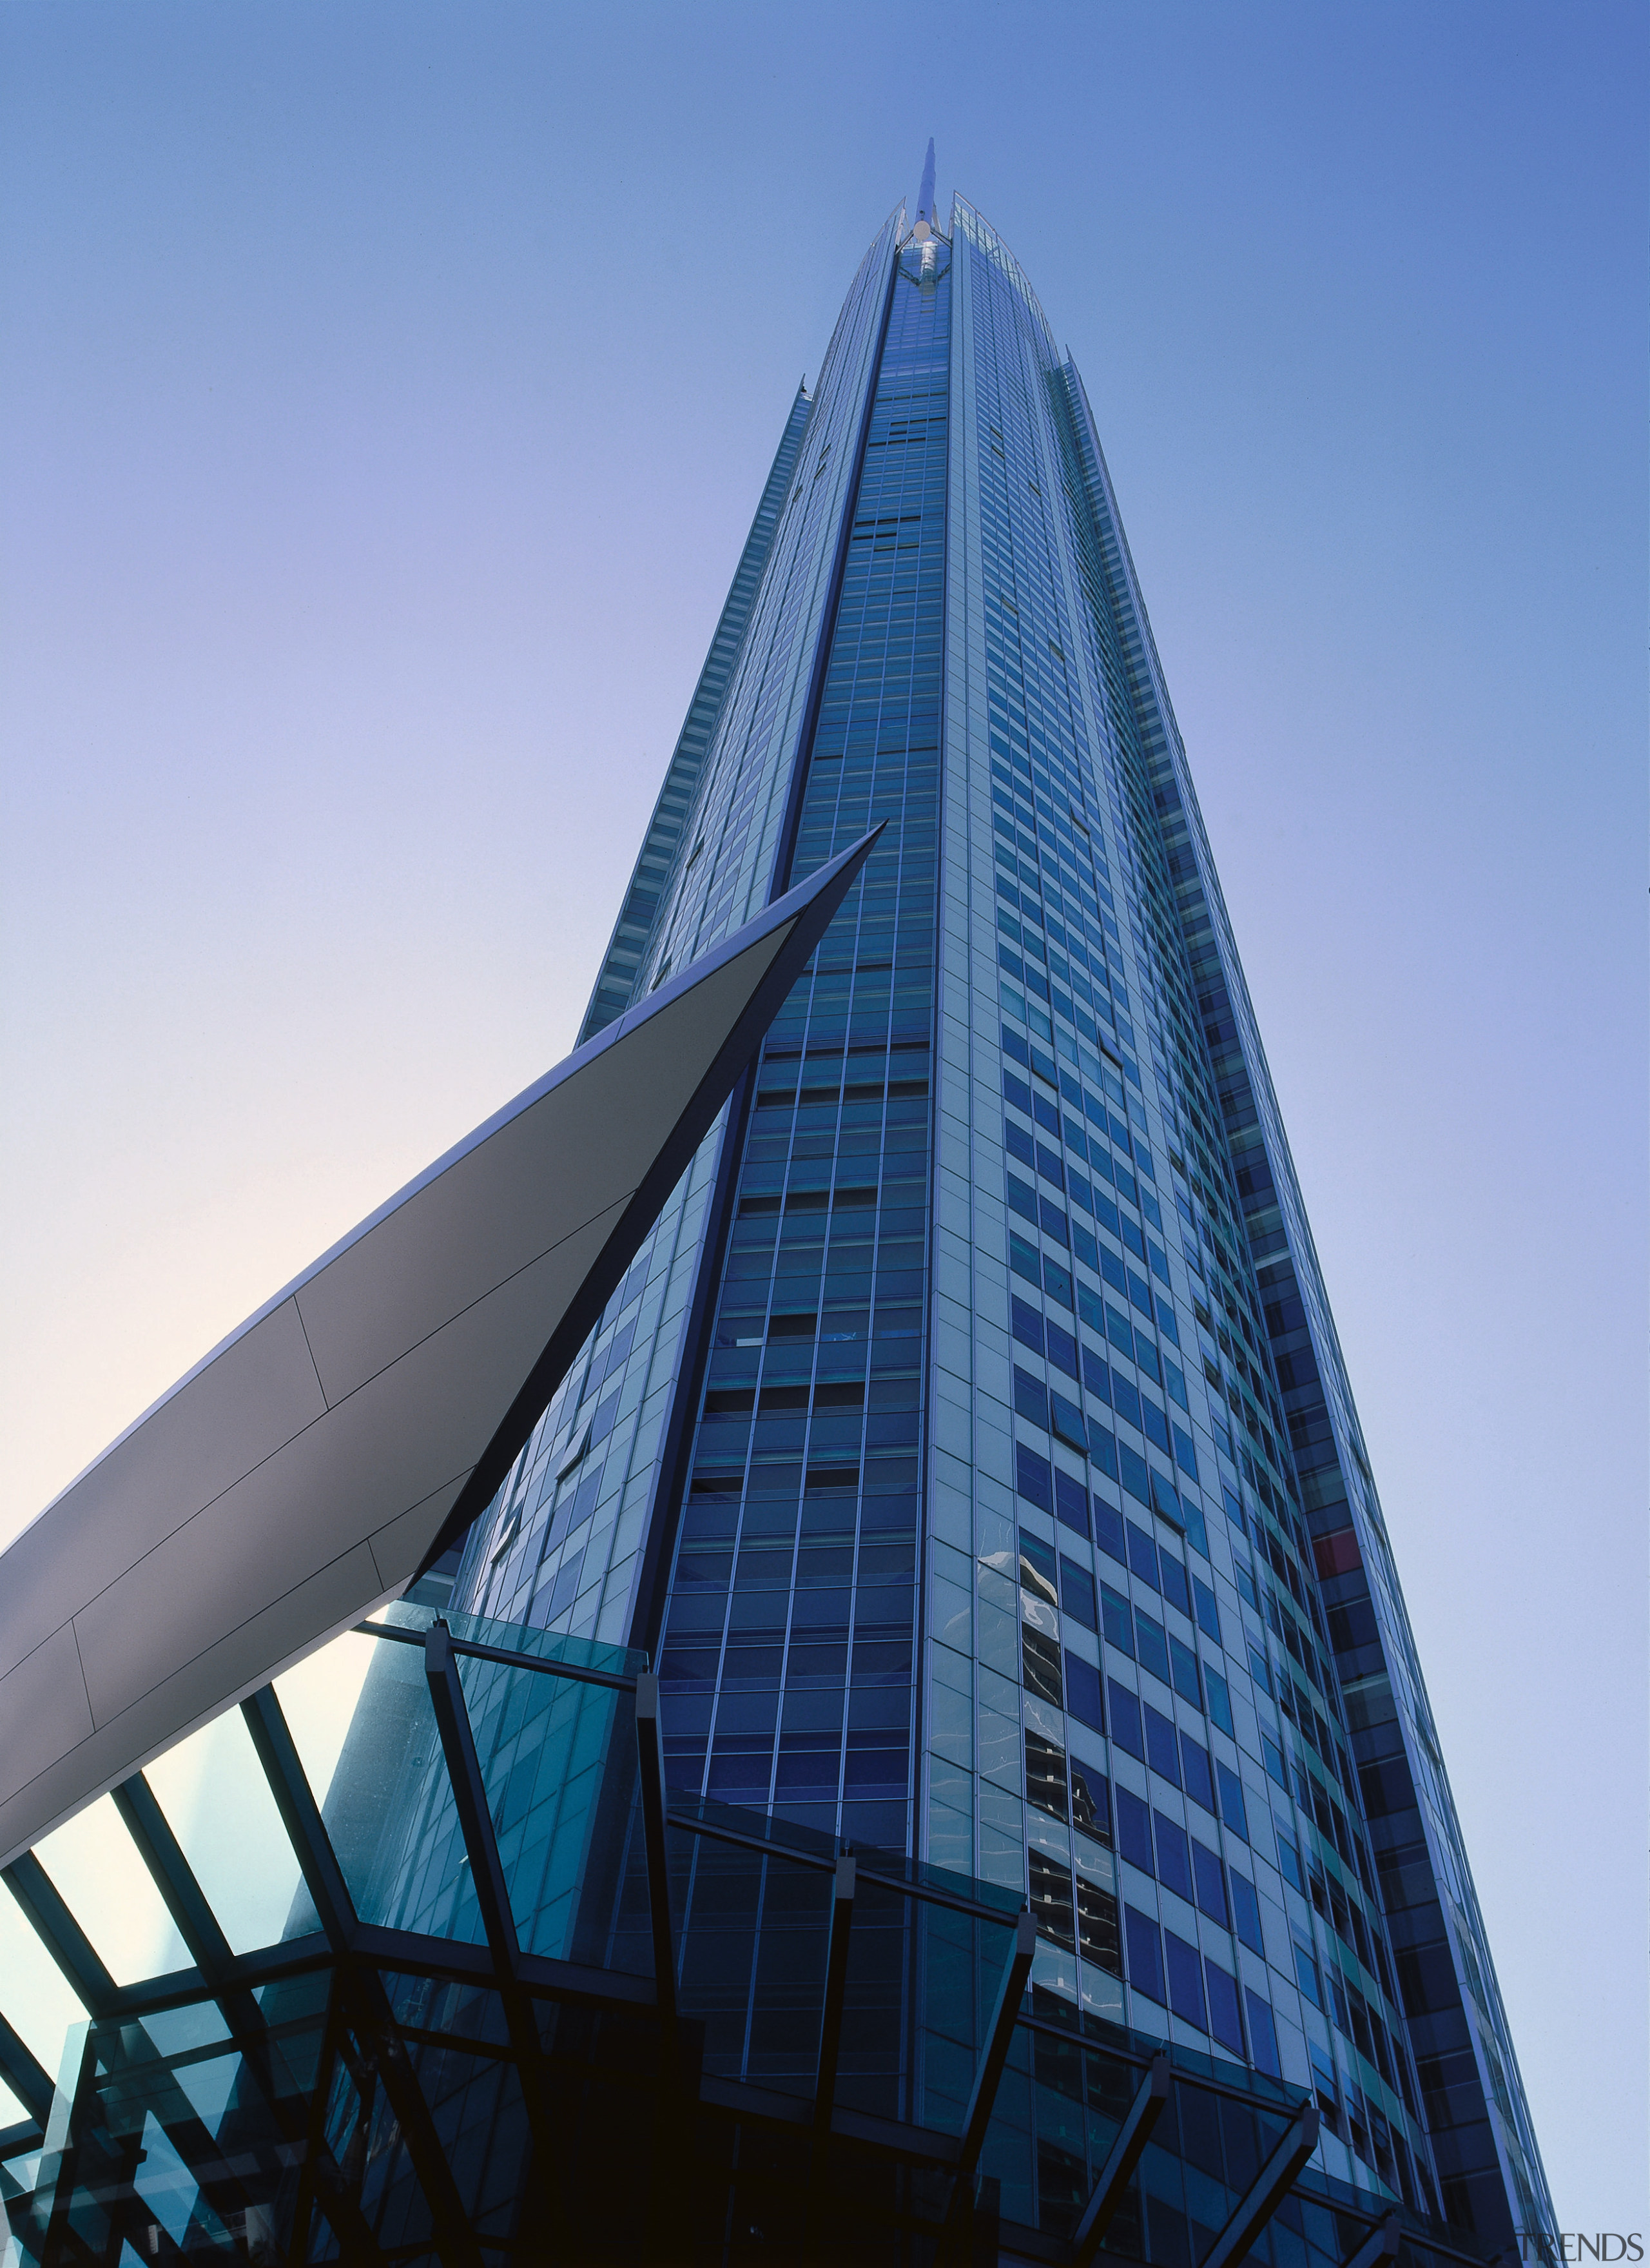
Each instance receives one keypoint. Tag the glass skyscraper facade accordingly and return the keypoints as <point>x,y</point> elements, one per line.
<point>973,1443</point>
<point>924,1757</point>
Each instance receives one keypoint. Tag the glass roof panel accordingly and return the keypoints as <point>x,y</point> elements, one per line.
<point>11,2112</point>
<point>34,1995</point>
<point>96,1870</point>
<point>217,1803</point>
<point>318,1700</point>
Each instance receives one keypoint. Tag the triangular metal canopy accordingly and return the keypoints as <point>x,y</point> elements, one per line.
<point>334,1443</point>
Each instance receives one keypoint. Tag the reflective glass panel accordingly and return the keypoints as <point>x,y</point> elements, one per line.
<point>217,1803</point>
<point>96,1870</point>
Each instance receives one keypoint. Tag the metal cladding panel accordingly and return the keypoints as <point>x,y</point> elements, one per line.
<point>251,1514</point>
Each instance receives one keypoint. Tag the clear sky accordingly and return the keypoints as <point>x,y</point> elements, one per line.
<point>386,390</point>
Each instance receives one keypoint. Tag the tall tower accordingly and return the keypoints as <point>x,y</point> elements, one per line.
<point>970,1444</point>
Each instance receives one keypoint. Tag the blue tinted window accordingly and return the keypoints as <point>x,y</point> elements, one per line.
<point>1199,1782</point>
<point>1186,1980</point>
<point>1246,1912</point>
<point>1233,1809</point>
<point>1263,2035</point>
<point>1032,1476</point>
<point>1090,1795</point>
<point>1119,1623</point>
<point>1071,1501</point>
<point>1175,1583</point>
<point>1143,1556</point>
<point>1208,1612</point>
<point>1135,1833</point>
<point>1174,1861</point>
<point>1076,1593</point>
<point>1145,1954</point>
<point>1220,1699</point>
<point>1162,1751</point>
<point>1083,1691</point>
<point>1030,1397</point>
<point>1205,1867</point>
<point>1154,1653</point>
<point>1185,1665</point>
<point>1126,1718</point>
<point>1224,2021</point>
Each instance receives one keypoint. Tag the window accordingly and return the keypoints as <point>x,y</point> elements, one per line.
<point>1040,1661</point>
<point>1220,1700</point>
<point>1183,1663</point>
<point>1119,1628</point>
<point>1030,1398</point>
<point>1097,1928</point>
<point>1108,1523</point>
<point>1034,1478</point>
<point>1083,1691</point>
<point>1305,1972</point>
<point>1126,1718</point>
<point>1038,1569</point>
<point>1045,1775</point>
<point>1070,1428</point>
<point>1077,1594</point>
<point>1174,1582</point>
<point>1211,1882</point>
<point>1233,1810</point>
<point>1209,1613</point>
<point>1289,1860</point>
<point>1027,1324</point>
<point>1174,1858</point>
<point>1090,1808</point>
<point>1051,1901</point>
<point>1162,1750</point>
<point>1071,1502</point>
<point>1146,1955</point>
<point>1200,1785</point>
<point>1186,1980</point>
<point>1224,2021</point>
<point>1154,1653</point>
<point>1143,1553</point>
<point>1246,1912</point>
<point>1263,2035</point>
<point>1062,1350</point>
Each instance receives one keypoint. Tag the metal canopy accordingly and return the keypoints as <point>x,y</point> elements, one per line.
<point>314,1461</point>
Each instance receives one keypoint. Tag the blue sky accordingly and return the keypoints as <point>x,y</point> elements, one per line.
<point>385,394</point>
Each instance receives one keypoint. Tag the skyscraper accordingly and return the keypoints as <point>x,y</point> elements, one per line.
<point>923,1752</point>
<point>988,1478</point>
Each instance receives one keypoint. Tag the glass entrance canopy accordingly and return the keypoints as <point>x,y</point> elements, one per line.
<point>411,1957</point>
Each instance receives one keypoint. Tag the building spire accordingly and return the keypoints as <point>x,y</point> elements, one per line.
<point>925,197</point>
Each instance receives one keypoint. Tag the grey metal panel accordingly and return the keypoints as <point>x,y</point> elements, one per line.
<point>303,1470</point>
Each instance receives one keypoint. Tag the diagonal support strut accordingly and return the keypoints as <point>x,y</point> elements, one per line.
<point>1272,2184</point>
<point>1111,2184</point>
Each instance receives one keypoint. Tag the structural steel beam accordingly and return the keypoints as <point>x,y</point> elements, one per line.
<point>61,1934</point>
<point>492,1890</point>
<point>375,2019</point>
<point>27,2080</point>
<point>650,1772</point>
<point>173,1877</point>
<point>836,1984</point>
<point>1272,2184</point>
<point>998,2039</point>
<point>1382,2244</point>
<point>1112,2183</point>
